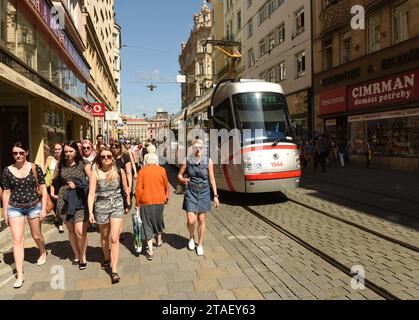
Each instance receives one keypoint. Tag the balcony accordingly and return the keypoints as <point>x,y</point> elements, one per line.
<point>335,16</point>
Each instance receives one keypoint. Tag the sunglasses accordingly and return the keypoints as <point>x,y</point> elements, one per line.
<point>86,148</point>
<point>106,157</point>
<point>20,153</point>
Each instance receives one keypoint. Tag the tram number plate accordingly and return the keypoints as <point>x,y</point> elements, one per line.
<point>277,164</point>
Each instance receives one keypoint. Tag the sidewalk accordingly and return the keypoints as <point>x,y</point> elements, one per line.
<point>175,273</point>
<point>404,185</point>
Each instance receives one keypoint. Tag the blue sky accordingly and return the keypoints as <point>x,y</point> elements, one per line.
<point>152,31</point>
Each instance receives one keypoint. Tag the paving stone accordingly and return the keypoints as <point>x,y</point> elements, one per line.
<point>224,294</point>
<point>216,273</point>
<point>202,295</point>
<point>234,282</point>
<point>206,285</point>
<point>180,286</point>
<point>247,294</point>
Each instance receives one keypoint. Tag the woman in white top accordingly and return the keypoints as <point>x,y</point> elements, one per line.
<point>49,169</point>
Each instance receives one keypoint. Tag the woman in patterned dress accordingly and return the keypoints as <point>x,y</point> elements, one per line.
<point>106,206</point>
<point>20,200</point>
<point>73,172</point>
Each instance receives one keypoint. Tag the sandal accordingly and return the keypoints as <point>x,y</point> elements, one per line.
<point>149,256</point>
<point>115,278</point>
<point>106,264</point>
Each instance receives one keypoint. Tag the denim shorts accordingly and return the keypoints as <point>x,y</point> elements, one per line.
<point>31,213</point>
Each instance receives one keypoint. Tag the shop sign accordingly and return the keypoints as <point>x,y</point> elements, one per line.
<point>333,101</point>
<point>344,76</point>
<point>405,58</point>
<point>412,112</point>
<point>401,88</point>
<point>385,115</point>
<point>331,123</point>
<point>98,109</point>
<point>112,116</point>
<point>354,118</point>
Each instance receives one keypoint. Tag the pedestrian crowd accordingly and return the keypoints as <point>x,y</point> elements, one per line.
<point>85,184</point>
<point>324,151</point>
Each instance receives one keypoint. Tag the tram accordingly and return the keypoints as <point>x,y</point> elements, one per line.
<point>270,160</point>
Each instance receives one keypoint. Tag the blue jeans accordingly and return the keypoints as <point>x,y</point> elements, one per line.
<point>31,213</point>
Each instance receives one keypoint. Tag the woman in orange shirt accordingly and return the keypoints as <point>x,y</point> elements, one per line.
<point>152,194</point>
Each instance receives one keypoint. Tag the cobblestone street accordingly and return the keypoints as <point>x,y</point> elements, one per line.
<point>246,258</point>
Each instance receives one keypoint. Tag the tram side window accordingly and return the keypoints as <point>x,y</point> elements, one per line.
<point>223,119</point>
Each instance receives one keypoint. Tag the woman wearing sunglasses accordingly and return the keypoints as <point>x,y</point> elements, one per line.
<point>197,201</point>
<point>88,152</point>
<point>20,200</point>
<point>106,185</point>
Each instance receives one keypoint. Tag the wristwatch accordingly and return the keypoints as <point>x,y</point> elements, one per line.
<point>216,196</point>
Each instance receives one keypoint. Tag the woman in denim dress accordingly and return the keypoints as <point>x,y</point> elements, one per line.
<point>197,201</point>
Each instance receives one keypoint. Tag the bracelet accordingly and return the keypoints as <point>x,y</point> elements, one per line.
<point>216,196</point>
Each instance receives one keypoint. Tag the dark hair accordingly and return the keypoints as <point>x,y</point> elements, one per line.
<point>20,145</point>
<point>99,136</point>
<point>78,158</point>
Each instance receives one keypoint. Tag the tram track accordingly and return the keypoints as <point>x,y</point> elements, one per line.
<point>382,292</point>
<point>356,225</point>
<point>410,216</point>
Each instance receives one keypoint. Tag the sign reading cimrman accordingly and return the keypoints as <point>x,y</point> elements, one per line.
<point>397,89</point>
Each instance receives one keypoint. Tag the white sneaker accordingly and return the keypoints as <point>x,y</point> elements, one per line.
<point>200,251</point>
<point>138,249</point>
<point>191,244</point>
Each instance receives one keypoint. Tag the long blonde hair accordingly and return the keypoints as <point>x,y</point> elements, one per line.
<point>112,175</point>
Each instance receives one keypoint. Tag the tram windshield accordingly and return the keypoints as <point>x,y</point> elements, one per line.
<point>265,114</point>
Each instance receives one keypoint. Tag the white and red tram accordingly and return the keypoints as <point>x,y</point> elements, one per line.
<point>269,159</point>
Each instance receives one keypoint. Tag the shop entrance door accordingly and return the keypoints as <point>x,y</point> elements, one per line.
<point>69,130</point>
<point>13,128</point>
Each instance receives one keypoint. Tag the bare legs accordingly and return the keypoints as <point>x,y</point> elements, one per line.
<point>17,229</point>
<point>111,232</point>
<point>77,233</point>
<point>192,217</point>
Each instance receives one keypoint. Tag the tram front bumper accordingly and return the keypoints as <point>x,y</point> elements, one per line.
<point>276,185</point>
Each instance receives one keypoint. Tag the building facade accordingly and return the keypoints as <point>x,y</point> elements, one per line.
<point>195,59</point>
<point>218,60</point>
<point>43,76</point>
<point>277,48</point>
<point>234,24</point>
<point>157,122</point>
<point>135,129</point>
<point>366,82</point>
<point>102,40</point>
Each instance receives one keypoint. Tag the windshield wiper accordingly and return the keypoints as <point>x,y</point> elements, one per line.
<point>280,139</point>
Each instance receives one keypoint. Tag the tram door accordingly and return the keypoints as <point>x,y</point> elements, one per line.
<point>226,175</point>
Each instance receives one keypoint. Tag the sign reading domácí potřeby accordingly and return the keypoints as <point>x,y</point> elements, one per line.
<point>399,88</point>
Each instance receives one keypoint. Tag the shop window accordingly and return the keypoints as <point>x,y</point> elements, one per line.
<point>53,125</point>
<point>388,137</point>
<point>26,41</point>
<point>43,59</point>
